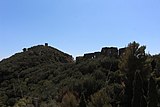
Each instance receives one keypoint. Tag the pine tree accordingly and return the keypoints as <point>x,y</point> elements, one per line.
<point>138,93</point>
<point>133,58</point>
<point>82,101</point>
<point>152,93</point>
<point>143,101</point>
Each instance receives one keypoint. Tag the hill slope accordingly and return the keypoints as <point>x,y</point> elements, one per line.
<point>43,76</point>
<point>33,64</point>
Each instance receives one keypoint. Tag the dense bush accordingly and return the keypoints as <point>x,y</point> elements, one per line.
<point>46,77</point>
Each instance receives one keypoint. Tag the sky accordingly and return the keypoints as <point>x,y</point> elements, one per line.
<point>78,26</point>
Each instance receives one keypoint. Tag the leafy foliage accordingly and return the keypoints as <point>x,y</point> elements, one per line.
<point>46,77</point>
<point>152,93</point>
<point>100,99</point>
<point>138,93</point>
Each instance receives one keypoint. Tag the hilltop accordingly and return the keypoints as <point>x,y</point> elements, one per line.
<point>42,53</point>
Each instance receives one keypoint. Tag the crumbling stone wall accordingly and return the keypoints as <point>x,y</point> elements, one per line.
<point>121,51</point>
<point>97,54</point>
<point>110,51</point>
<point>46,44</point>
<point>89,55</point>
<point>79,59</point>
<point>105,52</point>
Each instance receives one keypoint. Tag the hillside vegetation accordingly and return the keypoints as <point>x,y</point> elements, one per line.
<point>42,76</point>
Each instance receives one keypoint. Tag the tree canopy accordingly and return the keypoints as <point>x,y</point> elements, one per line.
<point>42,76</point>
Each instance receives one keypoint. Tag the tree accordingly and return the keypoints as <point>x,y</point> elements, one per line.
<point>152,93</point>
<point>100,99</point>
<point>138,93</point>
<point>153,64</point>
<point>82,101</point>
<point>24,102</point>
<point>133,59</point>
<point>70,100</point>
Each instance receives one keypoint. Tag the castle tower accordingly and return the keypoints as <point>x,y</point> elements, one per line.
<point>46,44</point>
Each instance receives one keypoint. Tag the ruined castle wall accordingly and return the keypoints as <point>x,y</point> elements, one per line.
<point>121,51</point>
<point>97,54</point>
<point>105,52</point>
<point>79,59</point>
<point>110,51</point>
<point>89,55</point>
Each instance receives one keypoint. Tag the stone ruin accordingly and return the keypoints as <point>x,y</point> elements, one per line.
<point>121,51</point>
<point>97,54</point>
<point>25,49</point>
<point>89,55</point>
<point>92,55</point>
<point>110,51</point>
<point>105,52</point>
<point>46,44</point>
<point>79,59</point>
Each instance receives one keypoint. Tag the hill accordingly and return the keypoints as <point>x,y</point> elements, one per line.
<point>42,76</point>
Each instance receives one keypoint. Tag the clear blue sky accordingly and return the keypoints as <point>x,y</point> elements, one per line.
<point>78,26</point>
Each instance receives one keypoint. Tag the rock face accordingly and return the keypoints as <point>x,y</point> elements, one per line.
<point>105,52</point>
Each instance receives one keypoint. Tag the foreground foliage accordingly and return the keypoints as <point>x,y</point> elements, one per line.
<point>43,76</point>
